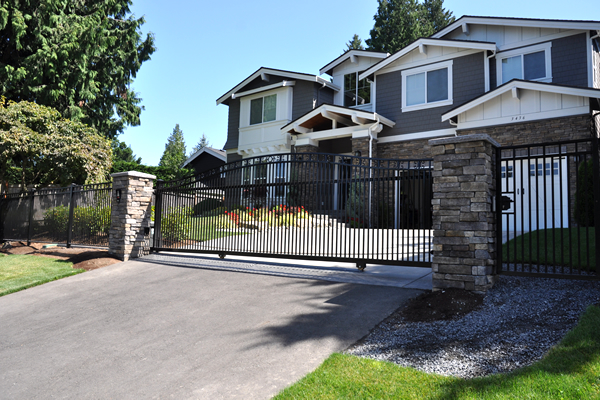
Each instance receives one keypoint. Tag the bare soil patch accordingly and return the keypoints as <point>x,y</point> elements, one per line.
<point>81,257</point>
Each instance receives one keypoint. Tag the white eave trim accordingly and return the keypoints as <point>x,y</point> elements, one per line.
<point>422,43</point>
<point>514,86</point>
<point>350,55</point>
<point>524,22</point>
<point>205,150</point>
<point>285,74</point>
<point>263,89</point>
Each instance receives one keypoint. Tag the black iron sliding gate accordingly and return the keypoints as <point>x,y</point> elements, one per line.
<point>74,215</point>
<point>308,206</point>
<point>547,210</point>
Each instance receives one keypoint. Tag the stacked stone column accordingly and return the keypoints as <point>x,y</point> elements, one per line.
<point>131,215</point>
<point>464,232</point>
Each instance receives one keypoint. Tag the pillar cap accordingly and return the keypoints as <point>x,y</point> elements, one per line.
<point>134,174</point>
<point>462,139</point>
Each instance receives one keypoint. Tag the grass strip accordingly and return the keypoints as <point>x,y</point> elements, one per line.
<point>571,370</point>
<point>559,246</point>
<point>18,272</point>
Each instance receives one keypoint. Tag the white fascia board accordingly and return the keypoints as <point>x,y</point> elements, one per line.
<point>529,23</point>
<point>348,55</point>
<point>285,74</point>
<point>462,44</point>
<point>205,150</point>
<point>571,91</point>
<point>263,89</point>
<point>418,135</point>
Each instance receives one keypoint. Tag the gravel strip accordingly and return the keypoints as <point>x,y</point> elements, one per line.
<point>520,320</point>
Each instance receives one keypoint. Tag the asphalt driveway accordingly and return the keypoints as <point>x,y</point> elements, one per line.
<point>150,330</point>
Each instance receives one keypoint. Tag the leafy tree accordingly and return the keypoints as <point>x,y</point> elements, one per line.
<point>202,143</point>
<point>164,173</point>
<point>38,146</point>
<point>355,43</point>
<point>123,152</point>
<point>400,22</point>
<point>79,57</point>
<point>174,154</point>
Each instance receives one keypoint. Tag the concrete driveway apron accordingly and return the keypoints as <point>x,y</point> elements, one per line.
<point>149,329</point>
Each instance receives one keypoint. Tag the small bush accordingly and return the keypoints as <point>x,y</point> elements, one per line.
<point>175,226</point>
<point>207,205</point>
<point>86,220</point>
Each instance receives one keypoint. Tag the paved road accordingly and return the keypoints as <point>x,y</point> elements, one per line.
<point>150,330</point>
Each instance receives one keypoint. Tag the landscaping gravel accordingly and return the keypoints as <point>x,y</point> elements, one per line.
<point>520,320</point>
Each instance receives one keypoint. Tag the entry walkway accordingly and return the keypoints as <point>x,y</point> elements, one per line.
<point>184,329</point>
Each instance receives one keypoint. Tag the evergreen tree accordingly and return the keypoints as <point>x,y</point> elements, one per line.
<point>79,57</point>
<point>121,152</point>
<point>401,22</point>
<point>174,155</point>
<point>355,43</point>
<point>202,143</point>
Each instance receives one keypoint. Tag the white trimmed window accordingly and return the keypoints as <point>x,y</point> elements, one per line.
<point>356,92</point>
<point>263,109</point>
<point>532,63</point>
<point>427,87</point>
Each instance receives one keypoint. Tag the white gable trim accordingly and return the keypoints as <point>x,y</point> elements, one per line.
<point>263,89</point>
<point>352,54</point>
<point>534,23</point>
<point>519,84</point>
<point>208,150</point>
<point>265,72</point>
<point>462,44</point>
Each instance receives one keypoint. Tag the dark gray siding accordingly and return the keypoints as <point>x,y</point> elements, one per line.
<point>569,61</point>
<point>468,83</point>
<point>324,95</point>
<point>233,157</point>
<point>304,95</point>
<point>493,82</point>
<point>233,125</point>
<point>204,162</point>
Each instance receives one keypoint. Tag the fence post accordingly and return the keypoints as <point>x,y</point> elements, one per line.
<point>157,239</point>
<point>463,217</point>
<point>596,172</point>
<point>30,230</point>
<point>70,224</point>
<point>130,214</point>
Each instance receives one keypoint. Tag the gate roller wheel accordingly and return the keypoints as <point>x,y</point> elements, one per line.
<point>221,255</point>
<point>361,266</point>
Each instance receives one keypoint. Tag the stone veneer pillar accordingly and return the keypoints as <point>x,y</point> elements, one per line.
<point>131,215</point>
<point>464,234</point>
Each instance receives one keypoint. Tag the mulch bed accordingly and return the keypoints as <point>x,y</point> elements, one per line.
<point>82,258</point>
<point>440,305</point>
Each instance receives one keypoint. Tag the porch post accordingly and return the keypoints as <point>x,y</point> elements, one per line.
<point>464,222</point>
<point>130,214</point>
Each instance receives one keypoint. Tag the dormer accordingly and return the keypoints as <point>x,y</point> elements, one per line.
<point>356,93</point>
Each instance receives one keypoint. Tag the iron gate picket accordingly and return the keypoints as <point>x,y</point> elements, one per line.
<point>547,211</point>
<point>73,215</point>
<point>304,206</point>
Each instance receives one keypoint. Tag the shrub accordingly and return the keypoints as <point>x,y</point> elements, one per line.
<point>86,220</point>
<point>584,197</point>
<point>56,219</point>
<point>207,205</point>
<point>175,225</point>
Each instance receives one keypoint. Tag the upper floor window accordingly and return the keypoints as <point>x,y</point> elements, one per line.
<point>531,63</point>
<point>427,87</point>
<point>356,92</point>
<point>263,109</point>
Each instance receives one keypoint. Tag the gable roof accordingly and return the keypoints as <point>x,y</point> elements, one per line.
<point>263,71</point>
<point>464,44</point>
<point>351,54</point>
<point>220,154</point>
<point>350,116</point>
<point>510,21</point>
<point>516,84</point>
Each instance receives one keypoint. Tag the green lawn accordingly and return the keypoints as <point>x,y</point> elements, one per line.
<point>571,370</point>
<point>559,246</point>
<point>18,272</point>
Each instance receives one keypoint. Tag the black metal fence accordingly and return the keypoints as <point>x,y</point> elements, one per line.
<point>307,206</point>
<point>547,210</point>
<point>74,215</point>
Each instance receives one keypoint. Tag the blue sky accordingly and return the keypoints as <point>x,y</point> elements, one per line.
<point>207,47</point>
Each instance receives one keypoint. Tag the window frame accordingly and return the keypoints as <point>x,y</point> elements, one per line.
<point>262,98</point>
<point>425,69</point>
<point>546,47</point>
<point>356,89</point>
